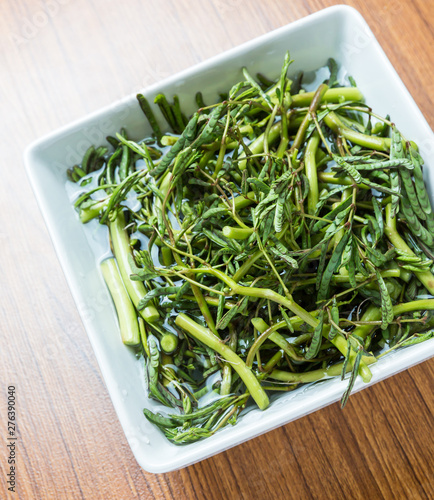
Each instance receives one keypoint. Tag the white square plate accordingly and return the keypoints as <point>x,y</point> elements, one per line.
<point>339,32</point>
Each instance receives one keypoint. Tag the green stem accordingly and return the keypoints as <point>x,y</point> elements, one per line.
<point>239,202</point>
<point>209,339</point>
<point>244,269</point>
<point>374,314</point>
<point>335,95</point>
<point>314,375</point>
<point>311,172</point>
<point>368,141</point>
<point>121,250</point>
<point>225,387</point>
<point>425,277</point>
<point>89,213</point>
<point>329,178</point>
<point>268,332</point>
<point>265,293</point>
<point>315,102</point>
<point>204,309</point>
<point>127,315</point>
<point>237,233</point>
<point>257,145</point>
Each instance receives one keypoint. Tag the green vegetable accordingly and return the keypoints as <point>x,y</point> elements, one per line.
<point>273,239</point>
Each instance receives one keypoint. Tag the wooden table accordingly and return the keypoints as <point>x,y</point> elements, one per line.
<point>61,59</point>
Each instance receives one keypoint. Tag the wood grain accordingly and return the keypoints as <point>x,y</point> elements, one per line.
<point>61,59</point>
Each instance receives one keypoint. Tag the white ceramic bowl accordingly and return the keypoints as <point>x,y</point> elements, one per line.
<point>338,32</point>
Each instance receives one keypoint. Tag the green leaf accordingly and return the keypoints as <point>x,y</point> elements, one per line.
<point>157,292</point>
<point>353,377</point>
<point>332,265</point>
<point>386,302</point>
<point>315,344</point>
<point>335,318</point>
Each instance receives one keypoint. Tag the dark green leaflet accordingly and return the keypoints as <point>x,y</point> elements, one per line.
<point>185,159</point>
<point>335,317</point>
<point>167,111</point>
<point>281,251</point>
<point>261,186</point>
<point>185,140</point>
<point>264,81</point>
<point>87,158</point>
<point>284,256</point>
<point>396,152</point>
<point>280,213</point>
<point>179,117</point>
<point>418,338</point>
<point>93,160</point>
<point>419,183</point>
<point>198,182</point>
<point>255,85</point>
<point>190,436</point>
<point>347,253</point>
<point>171,400</point>
<point>111,166</point>
<point>202,412</point>
<point>146,108</point>
<point>353,377</point>
<point>236,88</point>
<point>305,187</point>
<point>333,67</point>
<point>374,229</point>
<point>331,267</point>
<point>156,191</point>
<point>227,318</point>
<point>386,302</point>
<point>207,133</point>
<point>415,226</point>
<point>376,256</point>
<point>121,191</point>
<point>381,188</point>
<point>270,198</point>
<point>267,227</point>
<point>152,366</point>
<point>157,292</point>
<point>321,264</point>
<point>140,149</point>
<point>224,251</point>
<point>315,345</point>
<point>364,163</point>
<point>199,100</point>
<point>349,169</point>
<point>220,309</point>
<point>336,225</point>
<point>244,183</point>
<point>330,216</point>
<point>125,162</point>
<point>408,185</point>
<point>378,216</point>
<point>346,360</point>
<point>358,179</point>
<point>396,187</point>
<point>142,274</point>
<point>212,212</point>
<point>287,320</point>
<point>221,241</point>
<point>287,62</point>
<point>323,199</point>
<point>158,419</point>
